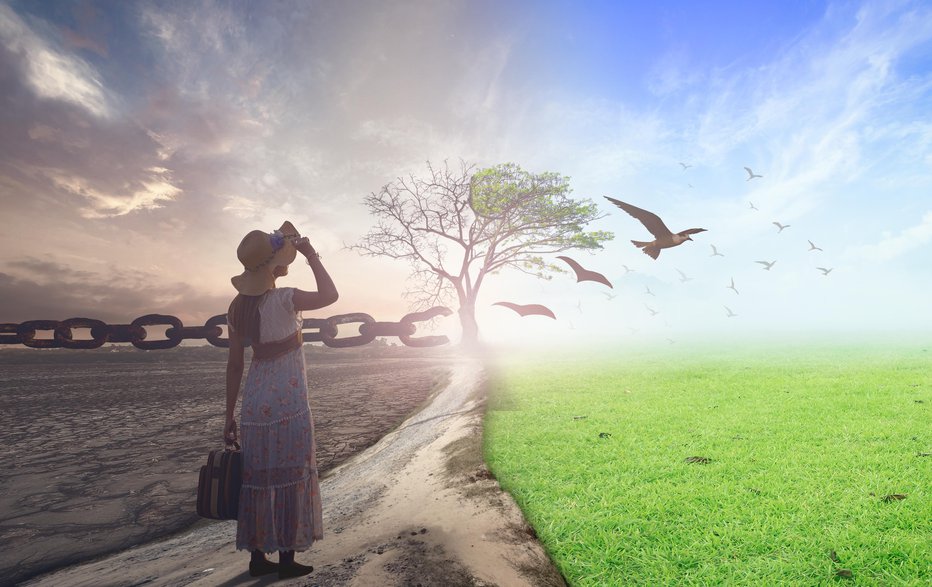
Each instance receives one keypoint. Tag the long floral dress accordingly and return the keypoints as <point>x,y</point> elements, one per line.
<point>279,506</point>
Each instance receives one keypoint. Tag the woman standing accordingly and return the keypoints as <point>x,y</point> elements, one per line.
<point>279,506</point>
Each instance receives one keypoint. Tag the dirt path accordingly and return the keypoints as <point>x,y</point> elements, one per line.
<point>418,507</point>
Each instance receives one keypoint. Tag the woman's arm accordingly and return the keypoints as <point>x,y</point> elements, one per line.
<point>326,292</point>
<point>235,362</point>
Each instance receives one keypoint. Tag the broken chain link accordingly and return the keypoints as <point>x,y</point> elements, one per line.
<point>135,332</point>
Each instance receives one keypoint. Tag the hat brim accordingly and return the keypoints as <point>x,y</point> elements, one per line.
<point>254,283</point>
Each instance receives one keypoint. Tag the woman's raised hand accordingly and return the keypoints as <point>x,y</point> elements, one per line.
<point>303,245</point>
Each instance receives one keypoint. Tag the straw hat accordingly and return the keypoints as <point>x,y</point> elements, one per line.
<point>260,253</point>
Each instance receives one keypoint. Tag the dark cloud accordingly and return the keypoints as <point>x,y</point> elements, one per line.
<point>70,177</point>
<point>65,153</point>
<point>105,299</point>
<point>50,270</point>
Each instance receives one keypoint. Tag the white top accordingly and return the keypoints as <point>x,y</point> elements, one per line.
<point>277,317</point>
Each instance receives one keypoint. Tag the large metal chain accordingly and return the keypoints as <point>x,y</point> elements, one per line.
<point>135,332</point>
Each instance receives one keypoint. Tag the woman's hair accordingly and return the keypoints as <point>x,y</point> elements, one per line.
<point>243,316</point>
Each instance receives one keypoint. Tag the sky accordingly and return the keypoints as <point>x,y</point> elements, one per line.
<point>142,140</point>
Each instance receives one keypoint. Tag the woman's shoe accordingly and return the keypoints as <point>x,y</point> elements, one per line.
<point>293,570</point>
<point>265,567</point>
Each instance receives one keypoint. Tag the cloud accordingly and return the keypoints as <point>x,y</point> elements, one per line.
<point>49,271</point>
<point>50,291</point>
<point>151,190</point>
<point>63,154</point>
<point>672,73</point>
<point>893,246</point>
<point>245,208</point>
<point>50,72</point>
<point>804,105</point>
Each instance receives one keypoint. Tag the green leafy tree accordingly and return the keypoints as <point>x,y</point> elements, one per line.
<point>457,227</point>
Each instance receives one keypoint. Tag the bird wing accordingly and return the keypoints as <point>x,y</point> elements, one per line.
<point>651,221</point>
<point>750,173</point>
<point>692,231</point>
<point>527,309</point>
<point>762,262</point>
<point>583,274</point>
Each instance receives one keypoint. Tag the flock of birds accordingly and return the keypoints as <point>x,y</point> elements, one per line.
<point>664,238</point>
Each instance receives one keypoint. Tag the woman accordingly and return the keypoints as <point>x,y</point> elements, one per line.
<point>279,505</point>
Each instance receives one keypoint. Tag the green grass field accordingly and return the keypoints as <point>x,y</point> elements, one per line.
<point>802,445</point>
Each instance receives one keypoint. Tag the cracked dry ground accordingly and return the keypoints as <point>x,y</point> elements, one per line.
<point>99,457</point>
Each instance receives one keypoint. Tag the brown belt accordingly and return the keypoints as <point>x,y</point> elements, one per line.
<point>273,350</point>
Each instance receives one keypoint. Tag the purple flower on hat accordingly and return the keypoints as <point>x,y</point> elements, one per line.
<point>277,239</point>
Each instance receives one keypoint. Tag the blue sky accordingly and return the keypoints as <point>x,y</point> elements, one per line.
<point>149,137</point>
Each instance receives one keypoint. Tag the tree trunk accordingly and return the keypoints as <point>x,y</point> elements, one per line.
<point>470,336</point>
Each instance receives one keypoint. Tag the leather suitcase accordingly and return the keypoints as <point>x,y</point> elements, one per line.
<point>219,483</point>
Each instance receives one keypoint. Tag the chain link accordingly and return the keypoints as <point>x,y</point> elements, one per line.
<point>136,332</point>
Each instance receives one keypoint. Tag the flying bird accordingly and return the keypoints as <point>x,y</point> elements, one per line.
<point>824,270</point>
<point>751,204</point>
<point>627,271</point>
<point>648,291</point>
<point>683,277</point>
<point>527,309</point>
<point>584,274</point>
<point>751,174</point>
<point>652,311</point>
<point>766,265</point>
<point>780,226</point>
<point>730,313</point>
<point>812,247</point>
<point>685,167</point>
<point>664,239</point>
<point>715,252</point>
<point>732,286</point>
<point>579,306</point>
<point>609,295</point>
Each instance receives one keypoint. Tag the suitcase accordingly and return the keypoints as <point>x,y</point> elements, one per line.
<point>218,484</point>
